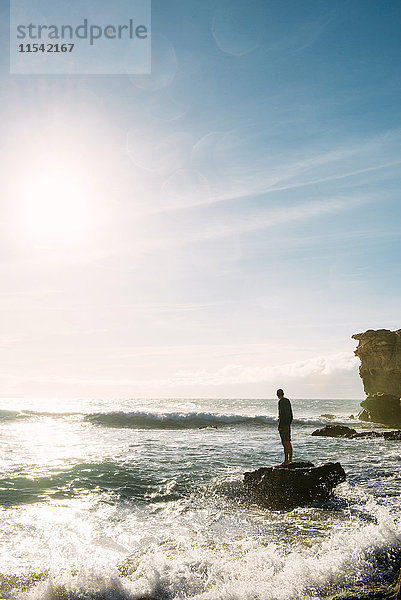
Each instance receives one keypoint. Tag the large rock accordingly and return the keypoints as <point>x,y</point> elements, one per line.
<point>335,431</point>
<point>347,432</point>
<point>381,408</point>
<point>380,370</point>
<point>297,484</point>
<point>380,355</point>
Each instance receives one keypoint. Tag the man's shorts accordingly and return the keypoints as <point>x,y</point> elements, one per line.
<point>285,434</point>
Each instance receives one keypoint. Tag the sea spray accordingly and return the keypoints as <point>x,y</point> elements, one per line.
<point>205,569</point>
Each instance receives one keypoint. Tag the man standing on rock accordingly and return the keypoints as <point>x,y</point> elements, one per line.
<point>284,425</point>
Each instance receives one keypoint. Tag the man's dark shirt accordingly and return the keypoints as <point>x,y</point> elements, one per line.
<point>284,413</point>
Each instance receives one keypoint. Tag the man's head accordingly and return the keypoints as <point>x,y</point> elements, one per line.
<point>280,393</point>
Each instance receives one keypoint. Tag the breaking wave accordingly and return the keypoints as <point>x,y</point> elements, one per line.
<point>359,560</point>
<point>12,415</point>
<point>194,420</point>
<point>173,420</point>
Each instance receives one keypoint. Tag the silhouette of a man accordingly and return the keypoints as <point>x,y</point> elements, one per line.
<point>284,425</point>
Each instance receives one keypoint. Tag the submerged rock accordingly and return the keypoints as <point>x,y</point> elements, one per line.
<point>297,484</point>
<point>380,370</point>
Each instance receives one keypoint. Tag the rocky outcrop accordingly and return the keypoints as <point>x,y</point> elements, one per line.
<point>296,484</point>
<point>347,432</point>
<point>335,431</point>
<point>380,370</point>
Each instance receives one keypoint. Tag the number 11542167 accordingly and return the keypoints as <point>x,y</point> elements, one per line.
<point>45,47</point>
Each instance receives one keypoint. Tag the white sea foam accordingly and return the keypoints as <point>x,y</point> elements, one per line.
<point>240,570</point>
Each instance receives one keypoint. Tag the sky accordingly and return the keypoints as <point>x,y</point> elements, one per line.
<point>219,228</point>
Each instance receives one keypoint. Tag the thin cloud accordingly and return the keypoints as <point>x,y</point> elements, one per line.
<point>320,366</point>
<point>272,218</point>
<point>238,374</point>
<point>263,176</point>
<point>333,177</point>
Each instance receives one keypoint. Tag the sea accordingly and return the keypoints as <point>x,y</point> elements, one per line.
<point>135,499</point>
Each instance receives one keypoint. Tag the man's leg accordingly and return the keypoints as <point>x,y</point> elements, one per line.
<point>287,452</point>
<point>285,455</point>
<point>290,452</point>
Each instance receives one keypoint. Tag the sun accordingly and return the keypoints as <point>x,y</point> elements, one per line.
<point>55,203</point>
<point>55,184</point>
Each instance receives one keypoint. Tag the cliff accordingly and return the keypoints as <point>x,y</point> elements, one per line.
<point>380,355</point>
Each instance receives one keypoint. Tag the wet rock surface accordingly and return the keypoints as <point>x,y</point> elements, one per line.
<point>297,484</point>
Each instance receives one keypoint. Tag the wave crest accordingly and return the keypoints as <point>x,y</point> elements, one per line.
<point>143,420</point>
<point>12,415</point>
